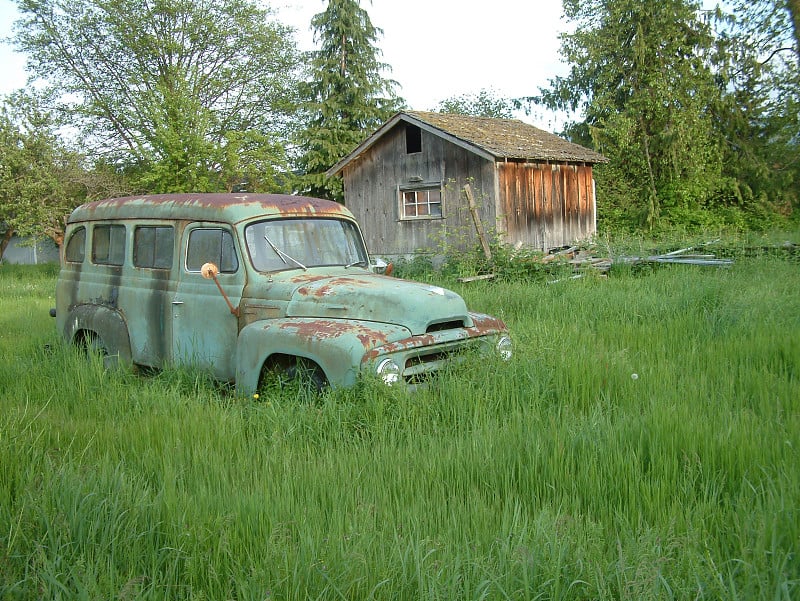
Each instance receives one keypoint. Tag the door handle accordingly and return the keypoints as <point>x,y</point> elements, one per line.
<point>177,302</point>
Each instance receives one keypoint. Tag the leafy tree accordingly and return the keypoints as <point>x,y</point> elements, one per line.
<point>758,58</point>
<point>346,97</point>
<point>483,104</point>
<point>41,179</point>
<point>793,6</point>
<point>640,76</point>
<point>169,89</point>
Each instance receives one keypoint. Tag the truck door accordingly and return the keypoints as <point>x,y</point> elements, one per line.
<point>204,331</point>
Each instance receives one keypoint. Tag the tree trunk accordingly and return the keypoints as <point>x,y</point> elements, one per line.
<point>4,242</point>
<point>794,11</point>
<point>653,208</point>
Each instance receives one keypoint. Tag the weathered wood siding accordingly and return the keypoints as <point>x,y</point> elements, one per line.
<point>544,205</point>
<point>371,192</point>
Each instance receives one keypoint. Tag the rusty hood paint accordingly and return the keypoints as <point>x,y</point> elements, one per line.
<point>362,295</point>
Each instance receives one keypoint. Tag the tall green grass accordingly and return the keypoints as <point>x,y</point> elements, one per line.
<point>644,443</point>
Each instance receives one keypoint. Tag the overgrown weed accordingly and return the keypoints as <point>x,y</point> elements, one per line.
<point>556,475</point>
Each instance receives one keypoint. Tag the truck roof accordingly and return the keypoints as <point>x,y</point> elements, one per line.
<point>227,208</point>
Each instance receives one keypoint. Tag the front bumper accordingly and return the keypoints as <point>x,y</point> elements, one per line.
<point>419,357</point>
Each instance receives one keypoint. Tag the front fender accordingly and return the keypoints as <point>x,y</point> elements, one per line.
<point>106,323</point>
<point>337,346</point>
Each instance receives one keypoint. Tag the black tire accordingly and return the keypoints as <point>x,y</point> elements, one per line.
<point>93,345</point>
<point>288,373</point>
<point>308,376</point>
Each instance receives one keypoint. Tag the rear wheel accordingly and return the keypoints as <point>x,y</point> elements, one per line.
<point>93,345</point>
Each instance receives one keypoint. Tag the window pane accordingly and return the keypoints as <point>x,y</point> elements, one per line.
<point>165,246</point>
<point>425,203</point>
<point>153,247</point>
<point>108,244</point>
<point>228,262</point>
<point>144,244</point>
<point>211,246</point>
<point>279,244</point>
<point>117,255</point>
<point>76,247</point>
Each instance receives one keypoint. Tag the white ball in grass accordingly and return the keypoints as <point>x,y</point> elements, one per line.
<point>634,376</point>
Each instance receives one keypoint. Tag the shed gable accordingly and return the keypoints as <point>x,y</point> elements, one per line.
<point>405,184</point>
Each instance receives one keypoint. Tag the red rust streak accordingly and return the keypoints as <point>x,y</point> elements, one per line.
<point>323,330</point>
<point>401,345</point>
<point>484,325</point>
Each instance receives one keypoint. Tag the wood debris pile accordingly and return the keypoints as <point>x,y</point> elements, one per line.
<point>584,260</point>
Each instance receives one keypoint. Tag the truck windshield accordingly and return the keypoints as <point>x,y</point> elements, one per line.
<point>278,244</point>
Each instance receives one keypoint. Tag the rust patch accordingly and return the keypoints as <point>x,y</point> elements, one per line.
<point>199,206</point>
<point>400,345</point>
<point>332,285</point>
<point>486,324</point>
<point>326,329</point>
<point>372,338</point>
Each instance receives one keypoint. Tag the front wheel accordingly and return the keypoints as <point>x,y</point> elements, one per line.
<point>292,375</point>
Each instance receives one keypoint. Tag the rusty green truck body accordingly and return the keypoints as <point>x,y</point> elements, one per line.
<point>289,279</point>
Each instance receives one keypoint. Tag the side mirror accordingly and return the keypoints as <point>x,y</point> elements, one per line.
<point>209,271</point>
<point>383,267</point>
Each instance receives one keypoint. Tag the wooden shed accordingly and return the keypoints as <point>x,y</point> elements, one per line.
<point>406,183</point>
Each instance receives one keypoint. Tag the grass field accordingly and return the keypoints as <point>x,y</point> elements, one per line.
<point>644,443</point>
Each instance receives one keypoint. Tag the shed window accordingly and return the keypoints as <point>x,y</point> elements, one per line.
<point>153,246</point>
<point>413,139</point>
<point>211,245</point>
<point>421,203</point>
<point>76,247</point>
<point>108,244</point>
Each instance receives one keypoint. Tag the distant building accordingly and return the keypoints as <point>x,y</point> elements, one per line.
<point>23,251</point>
<point>405,183</point>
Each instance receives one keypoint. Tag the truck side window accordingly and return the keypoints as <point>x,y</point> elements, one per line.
<point>76,247</point>
<point>213,245</point>
<point>108,244</point>
<point>153,246</point>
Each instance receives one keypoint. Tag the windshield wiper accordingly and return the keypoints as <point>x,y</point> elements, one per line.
<point>359,262</point>
<point>282,255</point>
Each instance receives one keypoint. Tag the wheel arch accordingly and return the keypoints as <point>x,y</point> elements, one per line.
<point>336,346</point>
<point>104,323</point>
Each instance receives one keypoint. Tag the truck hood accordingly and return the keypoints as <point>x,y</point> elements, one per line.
<point>371,297</point>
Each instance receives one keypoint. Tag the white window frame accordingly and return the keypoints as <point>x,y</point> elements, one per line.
<point>422,198</point>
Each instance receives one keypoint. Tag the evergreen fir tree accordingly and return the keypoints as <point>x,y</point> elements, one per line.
<point>347,97</point>
<point>641,78</point>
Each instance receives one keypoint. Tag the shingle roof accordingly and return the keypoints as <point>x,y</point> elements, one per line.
<point>509,138</point>
<point>487,137</point>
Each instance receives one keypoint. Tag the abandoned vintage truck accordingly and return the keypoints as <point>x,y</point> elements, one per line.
<point>248,284</point>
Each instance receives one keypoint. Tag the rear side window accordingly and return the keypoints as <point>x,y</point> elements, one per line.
<point>76,247</point>
<point>211,245</point>
<point>153,246</point>
<point>108,244</point>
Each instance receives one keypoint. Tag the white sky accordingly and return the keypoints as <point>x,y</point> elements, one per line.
<point>437,48</point>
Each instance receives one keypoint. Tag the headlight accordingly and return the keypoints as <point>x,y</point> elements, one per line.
<point>505,348</point>
<point>389,372</point>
